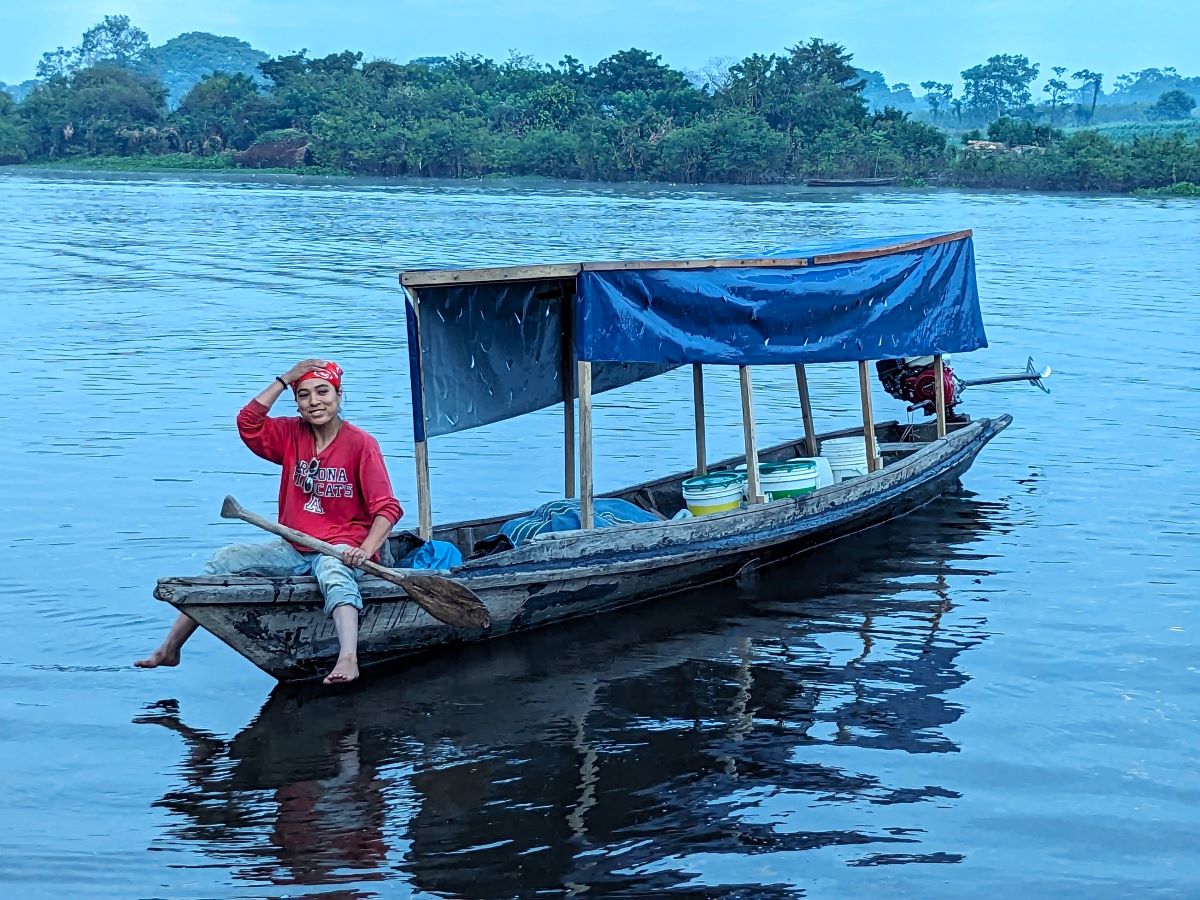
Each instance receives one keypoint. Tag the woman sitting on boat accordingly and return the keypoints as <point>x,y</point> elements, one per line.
<point>334,486</point>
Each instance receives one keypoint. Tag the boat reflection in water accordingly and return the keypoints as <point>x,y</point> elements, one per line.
<point>666,746</point>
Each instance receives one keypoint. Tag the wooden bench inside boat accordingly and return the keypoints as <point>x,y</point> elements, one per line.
<point>900,448</point>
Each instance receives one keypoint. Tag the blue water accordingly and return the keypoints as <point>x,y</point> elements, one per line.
<point>995,695</point>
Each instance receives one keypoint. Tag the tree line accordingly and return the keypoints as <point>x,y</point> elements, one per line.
<point>1003,86</point>
<point>767,118</point>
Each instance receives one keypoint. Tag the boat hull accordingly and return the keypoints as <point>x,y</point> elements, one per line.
<point>851,182</point>
<point>279,625</point>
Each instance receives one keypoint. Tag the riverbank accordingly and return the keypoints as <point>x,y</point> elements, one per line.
<point>167,162</point>
<point>992,172</point>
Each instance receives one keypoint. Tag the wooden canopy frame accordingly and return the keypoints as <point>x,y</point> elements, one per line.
<point>414,280</point>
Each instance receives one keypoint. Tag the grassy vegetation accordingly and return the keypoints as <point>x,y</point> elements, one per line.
<point>1124,132</point>
<point>158,163</point>
<point>1181,189</point>
<point>167,162</point>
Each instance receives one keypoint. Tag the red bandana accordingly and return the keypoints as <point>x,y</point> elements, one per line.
<point>330,372</point>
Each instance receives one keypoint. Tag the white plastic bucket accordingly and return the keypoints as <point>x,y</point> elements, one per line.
<point>847,457</point>
<point>718,492</point>
<point>788,479</point>
<point>824,470</point>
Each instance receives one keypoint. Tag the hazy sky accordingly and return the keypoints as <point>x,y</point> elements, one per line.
<point>911,41</point>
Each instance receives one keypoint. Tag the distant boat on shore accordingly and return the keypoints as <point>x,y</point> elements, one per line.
<point>851,182</point>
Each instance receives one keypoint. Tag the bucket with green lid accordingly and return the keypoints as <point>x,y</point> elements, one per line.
<point>790,478</point>
<point>718,492</point>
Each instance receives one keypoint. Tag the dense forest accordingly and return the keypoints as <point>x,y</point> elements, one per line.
<point>203,101</point>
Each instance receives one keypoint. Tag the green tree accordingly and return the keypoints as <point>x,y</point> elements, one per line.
<point>635,70</point>
<point>748,83</point>
<point>15,141</point>
<point>48,120</point>
<point>1022,132</point>
<point>810,90</point>
<point>1057,89</point>
<point>101,109</point>
<point>548,152</point>
<point>907,147</point>
<point>729,146</point>
<point>553,106</point>
<point>19,92</point>
<point>627,133</point>
<point>184,60</point>
<point>1093,80</point>
<point>1172,105</point>
<point>938,96</point>
<point>114,40</point>
<point>224,112</point>
<point>106,100</point>
<point>879,94</point>
<point>57,63</point>
<point>997,86</point>
<point>1148,85</point>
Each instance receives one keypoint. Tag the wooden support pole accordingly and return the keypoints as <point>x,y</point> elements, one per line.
<point>586,485</point>
<point>810,434</point>
<point>752,487</point>
<point>420,440</point>
<point>864,387</point>
<point>568,445</point>
<point>698,397</point>
<point>424,501</point>
<point>567,373</point>
<point>939,394</point>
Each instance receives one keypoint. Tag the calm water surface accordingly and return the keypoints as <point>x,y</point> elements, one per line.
<point>997,694</point>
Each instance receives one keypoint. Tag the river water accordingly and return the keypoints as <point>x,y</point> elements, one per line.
<point>998,694</point>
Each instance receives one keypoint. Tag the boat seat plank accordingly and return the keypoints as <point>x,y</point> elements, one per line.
<point>903,448</point>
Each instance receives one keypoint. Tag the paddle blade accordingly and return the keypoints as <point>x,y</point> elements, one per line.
<point>231,509</point>
<point>1035,377</point>
<point>448,601</point>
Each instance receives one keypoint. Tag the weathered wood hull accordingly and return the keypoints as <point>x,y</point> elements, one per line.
<point>278,624</point>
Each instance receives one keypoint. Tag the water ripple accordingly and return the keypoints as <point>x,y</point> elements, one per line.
<point>997,693</point>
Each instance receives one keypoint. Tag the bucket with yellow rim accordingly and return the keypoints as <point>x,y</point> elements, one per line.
<point>718,492</point>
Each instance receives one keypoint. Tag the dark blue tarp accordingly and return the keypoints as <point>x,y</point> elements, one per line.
<point>490,352</point>
<point>494,350</point>
<point>912,303</point>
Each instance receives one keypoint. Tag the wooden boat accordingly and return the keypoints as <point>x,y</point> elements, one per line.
<point>851,182</point>
<point>581,688</point>
<point>547,323</point>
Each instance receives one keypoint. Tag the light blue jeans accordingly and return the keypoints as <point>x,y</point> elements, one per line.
<point>279,559</point>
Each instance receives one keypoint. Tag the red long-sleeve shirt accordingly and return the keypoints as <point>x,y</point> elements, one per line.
<point>350,486</point>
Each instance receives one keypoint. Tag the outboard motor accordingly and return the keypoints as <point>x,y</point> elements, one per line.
<point>911,379</point>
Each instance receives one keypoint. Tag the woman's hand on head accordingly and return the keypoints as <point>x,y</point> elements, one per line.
<point>301,368</point>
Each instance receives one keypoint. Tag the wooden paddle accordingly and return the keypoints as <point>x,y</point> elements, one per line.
<point>445,600</point>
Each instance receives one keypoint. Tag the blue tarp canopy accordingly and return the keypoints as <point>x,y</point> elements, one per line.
<point>496,343</point>
<point>914,303</point>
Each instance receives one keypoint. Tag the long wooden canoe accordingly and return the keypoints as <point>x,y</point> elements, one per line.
<point>278,623</point>
<point>851,182</point>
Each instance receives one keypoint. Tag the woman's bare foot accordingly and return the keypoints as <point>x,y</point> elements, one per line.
<point>163,656</point>
<point>344,672</point>
<point>167,653</point>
